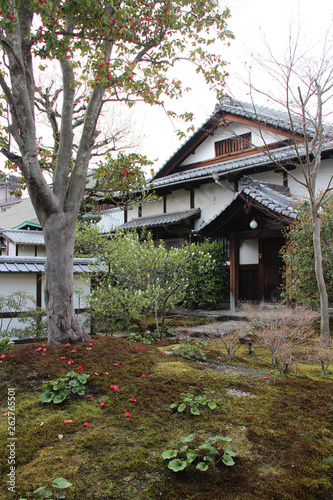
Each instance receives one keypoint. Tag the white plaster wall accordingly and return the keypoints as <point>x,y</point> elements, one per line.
<point>132,213</point>
<point>211,198</point>
<point>271,176</point>
<point>41,251</point>
<point>26,250</point>
<point>12,282</point>
<point>152,208</point>
<point>178,201</point>
<point>11,249</point>
<point>206,150</point>
<point>326,172</point>
<point>248,252</point>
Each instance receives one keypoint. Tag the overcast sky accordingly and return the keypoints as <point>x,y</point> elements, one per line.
<point>254,23</point>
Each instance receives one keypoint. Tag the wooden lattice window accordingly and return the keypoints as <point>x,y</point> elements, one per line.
<point>233,144</point>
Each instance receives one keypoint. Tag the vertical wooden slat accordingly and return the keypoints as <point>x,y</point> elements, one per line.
<point>234,263</point>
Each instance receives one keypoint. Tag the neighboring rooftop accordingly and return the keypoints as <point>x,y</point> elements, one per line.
<point>37,265</point>
<point>23,236</point>
<point>19,215</point>
<point>164,219</point>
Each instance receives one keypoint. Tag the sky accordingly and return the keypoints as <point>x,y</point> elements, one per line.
<point>255,24</point>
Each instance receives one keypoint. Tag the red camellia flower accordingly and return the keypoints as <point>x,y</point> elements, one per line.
<point>90,396</point>
<point>138,347</point>
<point>115,364</point>
<point>43,353</point>
<point>143,347</point>
<point>70,362</point>
<point>142,376</point>
<point>102,404</point>
<point>67,345</point>
<point>132,399</point>
<point>86,424</point>
<point>68,421</point>
<point>265,378</point>
<point>80,367</point>
<point>101,65</point>
<point>3,356</point>
<point>127,414</point>
<point>63,357</point>
<point>114,387</point>
<point>11,16</point>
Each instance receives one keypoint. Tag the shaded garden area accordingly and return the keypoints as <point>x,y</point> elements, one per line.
<point>280,426</point>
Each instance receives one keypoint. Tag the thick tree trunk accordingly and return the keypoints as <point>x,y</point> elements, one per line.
<point>63,326</point>
<point>324,313</point>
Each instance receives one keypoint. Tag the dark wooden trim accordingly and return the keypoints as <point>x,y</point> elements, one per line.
<point>234,274</point>
<point>192,198</point>
<point>259,233</point>
<point>16,250</point>
<point>165,204</point>
<point>261,268</point>
<point>125,215</point>
<point>39,279</point>
<point>257,123</point>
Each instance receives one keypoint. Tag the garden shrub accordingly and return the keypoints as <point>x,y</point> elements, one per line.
<point>298,255</point>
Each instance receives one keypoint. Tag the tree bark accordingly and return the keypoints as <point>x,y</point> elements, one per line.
<point>63,325</point>
<point>325,321</point>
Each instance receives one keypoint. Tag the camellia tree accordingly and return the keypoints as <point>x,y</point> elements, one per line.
<point>107,51</point>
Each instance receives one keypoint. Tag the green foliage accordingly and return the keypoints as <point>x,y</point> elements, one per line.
<point>190,349</point>
<point>298,256</point>
<point>5,344</point>
<point>16,305</point>
<point>146,338</point>
<point>207,277</point>
<point>140,278</point>
<point>193,403</point>
<point>42,492</point>
<point>208,453</point>
<point>59,389</point>
<point>122,49</point>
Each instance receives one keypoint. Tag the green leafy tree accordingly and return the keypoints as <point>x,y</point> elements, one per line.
<point>298,255</point>
<point>207,277</point>
<point>106,51</point>
<point>139,278</point>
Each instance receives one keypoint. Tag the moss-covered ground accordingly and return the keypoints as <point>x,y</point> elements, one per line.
<point>281,426</point>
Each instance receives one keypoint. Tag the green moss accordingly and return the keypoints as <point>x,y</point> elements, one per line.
<point>281,428</point>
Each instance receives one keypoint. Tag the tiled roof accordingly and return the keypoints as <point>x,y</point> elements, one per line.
<point>269,197</point>
<point>18,214</point>
<point>258,114</point>
<point>110,220</point>
<point>23,236</point>
<point>262,114</point>
<point>263,194</point>
<point>37,265</point>
<point>257,159</point>
<point>161,220</point>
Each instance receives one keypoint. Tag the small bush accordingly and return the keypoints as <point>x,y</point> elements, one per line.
<point>59,389</point>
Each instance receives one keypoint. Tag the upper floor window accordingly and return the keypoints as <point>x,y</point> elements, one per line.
<point>233,144</point>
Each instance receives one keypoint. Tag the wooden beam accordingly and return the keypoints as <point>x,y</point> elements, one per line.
<point>234,274</point>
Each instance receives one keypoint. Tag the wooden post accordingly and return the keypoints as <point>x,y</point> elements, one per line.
<point>234,262</point>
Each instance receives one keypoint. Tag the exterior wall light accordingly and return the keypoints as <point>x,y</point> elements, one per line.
<point>253,224</point>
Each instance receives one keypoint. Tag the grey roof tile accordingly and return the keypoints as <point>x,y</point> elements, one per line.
<point>24,236</point>
<point>161,220</point>
<point>37,264</point>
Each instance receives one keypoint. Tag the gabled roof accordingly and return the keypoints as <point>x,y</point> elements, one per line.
<point>21,214</point>
<point>227,109</point>
<point>236,165</point>
<point>23,236</point>
<point>164,219</point>
<point>262,196</point>
<point>37,265</point>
